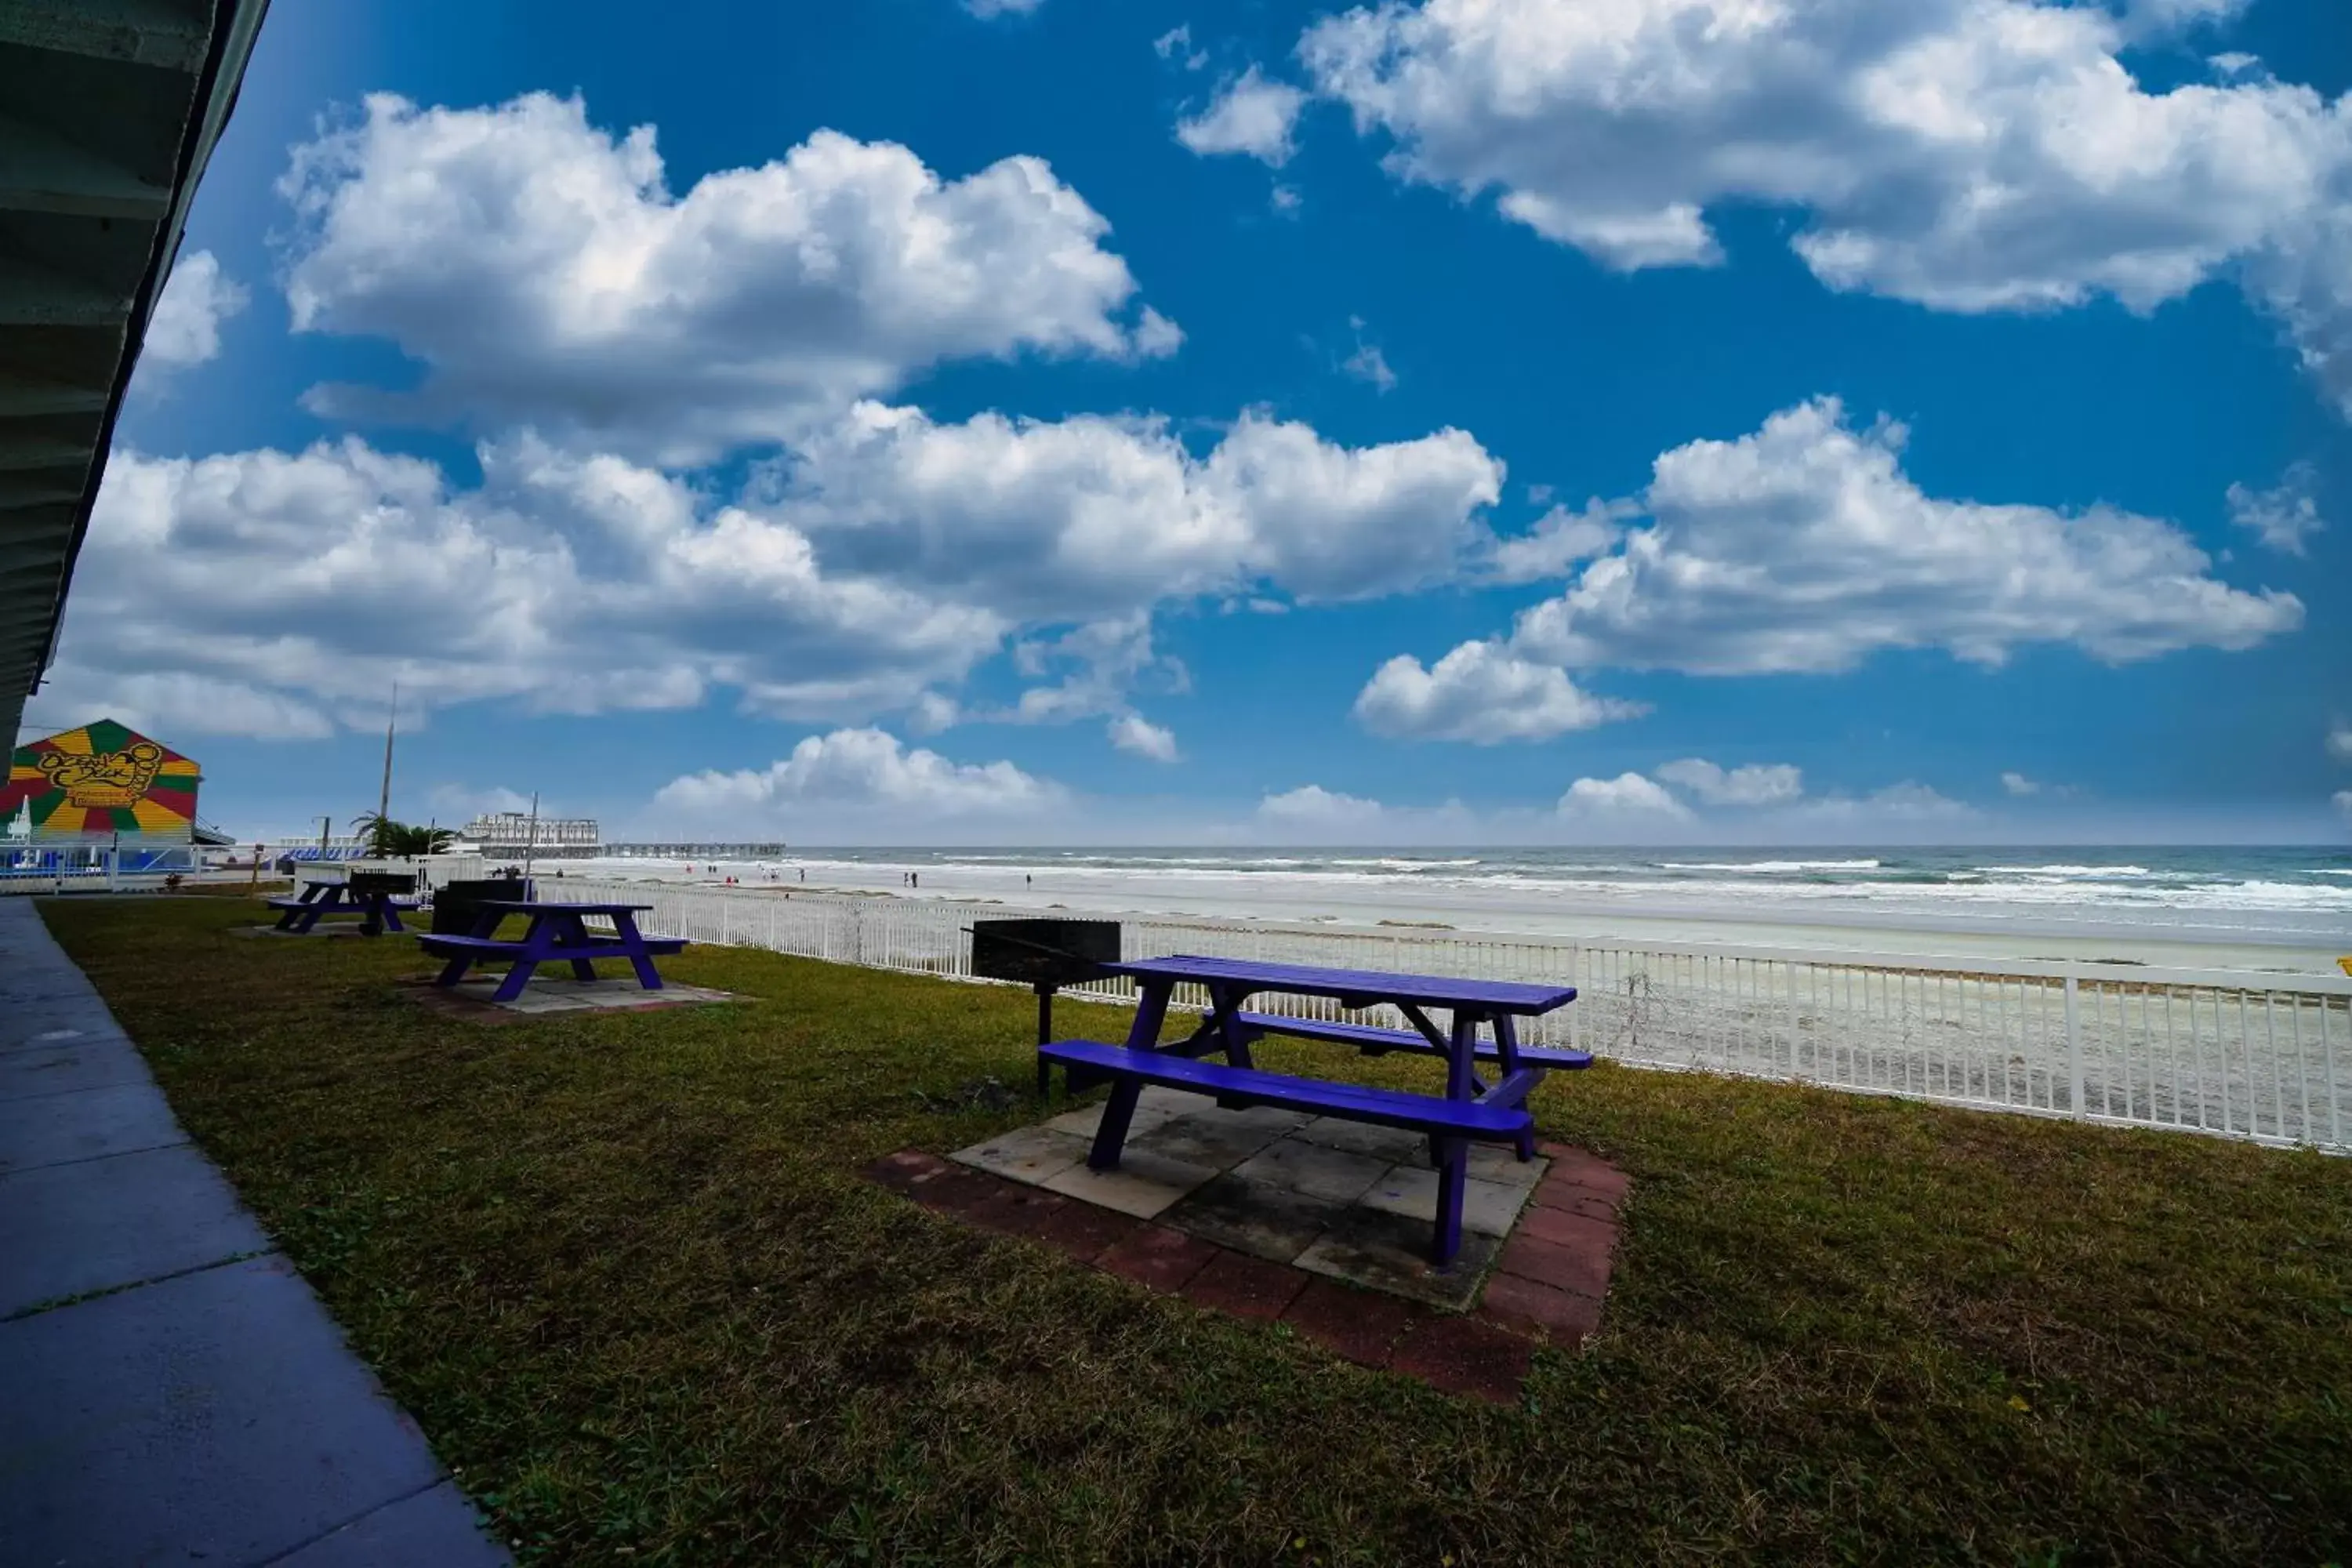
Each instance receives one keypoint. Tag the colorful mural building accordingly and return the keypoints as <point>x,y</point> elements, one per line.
<point>104,784</point>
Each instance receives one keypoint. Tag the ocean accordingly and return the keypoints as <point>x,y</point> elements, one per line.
<point>2174,897</point>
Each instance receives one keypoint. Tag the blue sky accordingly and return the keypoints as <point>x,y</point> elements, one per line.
<point>1667,420</point>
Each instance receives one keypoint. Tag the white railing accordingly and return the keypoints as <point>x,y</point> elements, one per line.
<point>2245,1055</point>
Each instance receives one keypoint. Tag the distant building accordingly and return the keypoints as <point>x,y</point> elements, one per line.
<point>506,833</point>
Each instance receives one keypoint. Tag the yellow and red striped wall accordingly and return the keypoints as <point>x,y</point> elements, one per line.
<point>102,780</point>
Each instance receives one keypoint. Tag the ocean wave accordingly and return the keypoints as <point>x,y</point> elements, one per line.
<point>2098,871</point>
<point>1767,868</point>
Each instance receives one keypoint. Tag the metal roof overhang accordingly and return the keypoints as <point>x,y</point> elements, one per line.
<point>109,111</point>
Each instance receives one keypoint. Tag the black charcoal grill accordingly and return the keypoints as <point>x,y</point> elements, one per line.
<point>1044,955</point>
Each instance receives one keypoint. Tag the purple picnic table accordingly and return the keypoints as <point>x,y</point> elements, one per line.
<point>558,933</point>
<point>1471,1107</point>
<point>378,907</point>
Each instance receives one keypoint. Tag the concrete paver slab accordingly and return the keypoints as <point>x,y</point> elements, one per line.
<point>1027,1153</point>
<point>98,1225</point>
<point>1393,1146</point>
<point>1144,1185</point>
<point>1264,1220</point>
<point>1217,1140</point>
<point>1315,1168</point>
<point>1493,1163</point>
<point>1389,1252</point>
<point>1085,1120</point>
<point>1165,1102</point>
<point>210,1416</point>
<point>52,1128</point>
<point>437,1526</point>
<point>216,1417</point>
<point>47,1027</point>
<point>1488,1207</point>
<point>89,1061</point>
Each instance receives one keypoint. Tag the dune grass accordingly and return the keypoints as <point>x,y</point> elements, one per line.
<point>623,1270</point>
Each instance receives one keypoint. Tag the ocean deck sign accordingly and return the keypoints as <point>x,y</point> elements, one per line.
<point>101,782</point>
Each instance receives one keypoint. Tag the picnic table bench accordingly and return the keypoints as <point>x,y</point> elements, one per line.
<point>378,907</point>
<point>1471,1110</point>
<point>558,933</point>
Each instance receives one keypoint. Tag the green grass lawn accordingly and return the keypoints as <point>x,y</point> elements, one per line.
<point>624,1271</point>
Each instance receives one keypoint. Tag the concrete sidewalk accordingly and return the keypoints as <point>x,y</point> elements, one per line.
<point>170,1389</point>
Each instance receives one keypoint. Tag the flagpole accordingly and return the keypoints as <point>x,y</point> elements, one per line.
<point>392,722</point>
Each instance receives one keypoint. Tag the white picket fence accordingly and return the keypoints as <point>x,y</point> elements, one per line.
<point>2243,1055</point>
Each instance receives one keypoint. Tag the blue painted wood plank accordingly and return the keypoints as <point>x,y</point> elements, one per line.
<point>494,947</point>
<point>1353,1102</point>
<point>1373,1039</point>
<point>1370,985</point>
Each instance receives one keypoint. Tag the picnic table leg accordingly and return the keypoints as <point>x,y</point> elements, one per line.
<point>372,912</point>
<point>537,944</point>
<point>1226,1001</point>
<point>1452,1154</point>
<point>640,959</point>
<point>1453,1169</point>
<point>1110,1133</point>
<point>574,932</point>
<point>1506,1047</point>
<point>1151,1012</point>
<point>392,916</point>
<point>1143,1034</point>
<point>1044,1037</point>
<point>307,917</point>
<point>486,923</point>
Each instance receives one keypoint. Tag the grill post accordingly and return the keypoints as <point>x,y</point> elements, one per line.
<point>1044,955</point>
<point>1045,1037</point>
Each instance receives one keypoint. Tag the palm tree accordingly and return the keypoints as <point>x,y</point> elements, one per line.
<point>388,839</point>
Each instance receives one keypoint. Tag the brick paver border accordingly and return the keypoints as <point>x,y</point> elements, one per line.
<point>1547,1287</point>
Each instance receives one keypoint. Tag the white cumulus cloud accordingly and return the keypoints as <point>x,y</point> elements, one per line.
<point>1369,364</point>
<point>1312,807</point>
<point>2339,741</point>
<point>575,583</point>
<point>1135,734</point>
<point>867,573</point>
<point>184,327</point>
<point>1482,693</point>
<point>2017,784</point>
<point>1252,116</point>
<point>1907,805</point>
<point>1964,154</point>
<point>1088,517</point>
<point>173,701</point>
<point>1805,548</point>
<point>1753,783</point>
<point>861,770</point>
<point>989,8</point>
<point>2284,516</point>
<point>1559,538</point>
<point>1176,44</point>
<point>1627,794</point>
<point>544,273</point>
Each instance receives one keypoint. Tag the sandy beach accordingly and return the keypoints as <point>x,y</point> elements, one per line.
<point>2057,910</point>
